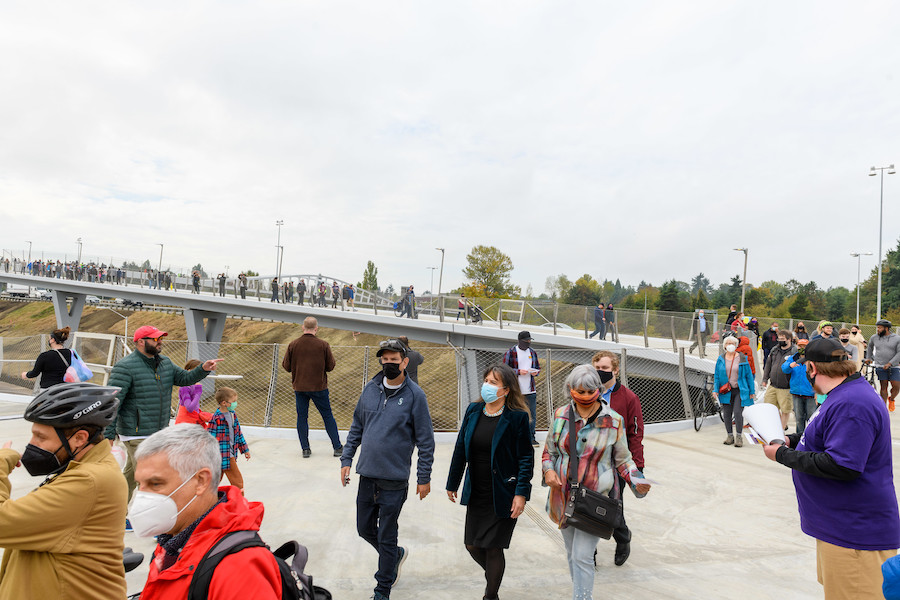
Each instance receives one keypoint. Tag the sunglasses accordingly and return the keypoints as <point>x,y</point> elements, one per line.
<point>156,339</point>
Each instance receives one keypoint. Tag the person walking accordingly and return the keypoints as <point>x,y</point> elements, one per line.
<point>599,321</point>
<point>745,349</point>
<point>883,351</point>
<point>322,291</point>
<point>221,279</point>
<point>611,324</point>
<point>701,329</point>
<point>301,291</point>
<point>225,427</point>
<point>524,361</point>
<point>415,359</point>
<point>242,285</point>
<point>309,360</point>
<point>801,389</point>
<point>352,298</point>
<point>274,287</point>
<point>390,420</point>
<point>146,378</point>
<point>494,442</point>
<point>195,281</point>
<point>735,389</point>
<point>769,340</point>
<point>335,294</point>
<point>600,451</point>
<point>776,382</point>
<point>843,474</point>
<point>51,364</point>
<point>625,402</point>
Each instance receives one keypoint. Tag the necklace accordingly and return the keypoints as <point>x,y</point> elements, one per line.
<point>496,414</point>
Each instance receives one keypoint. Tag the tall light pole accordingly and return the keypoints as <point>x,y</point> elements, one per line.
<point>278,251</point>
<point>29,250</point>
<point>857,256</point>
<point>872,173</point>
<point>431,288</point>
<point>441,276</point>
<point>78,260</point>
<point>160,258</point>
<point>744,280</point>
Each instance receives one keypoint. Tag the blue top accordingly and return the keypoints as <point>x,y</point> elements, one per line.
<point>853,427</point>
<point>745,379</point>
<point>800,385</point>
<point>387,425</point>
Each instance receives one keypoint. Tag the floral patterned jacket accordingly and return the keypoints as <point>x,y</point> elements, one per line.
<point>597,443</point>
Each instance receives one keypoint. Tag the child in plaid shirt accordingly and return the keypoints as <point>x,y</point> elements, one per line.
<point>224,426</point>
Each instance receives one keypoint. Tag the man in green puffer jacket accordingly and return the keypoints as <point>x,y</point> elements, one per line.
<point>146,378</point>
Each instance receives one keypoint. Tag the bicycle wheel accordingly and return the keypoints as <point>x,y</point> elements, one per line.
<point>696,407</point>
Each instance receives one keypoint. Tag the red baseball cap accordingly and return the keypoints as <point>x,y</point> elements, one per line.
<point>148,331</point>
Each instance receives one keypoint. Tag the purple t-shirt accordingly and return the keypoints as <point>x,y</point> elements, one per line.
<point>853,426</point>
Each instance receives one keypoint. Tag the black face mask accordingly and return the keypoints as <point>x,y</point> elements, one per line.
<point>605,376</point>
<point>391,370</point>
<point>801,328</point>
<point>38,461</point>
<point>783,344</point>
<point>845,340</point>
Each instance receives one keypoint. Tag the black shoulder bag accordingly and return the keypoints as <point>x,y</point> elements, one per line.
<point>589,511</point>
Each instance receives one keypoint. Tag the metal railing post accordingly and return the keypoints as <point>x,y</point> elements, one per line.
<point>646,324</point>
<point>585,322</point>
<point>365,367</point>
<point>682,379</point>
<point>623,367</point>
<point>555,316</point>
<point>441,304</point>
<point>674,342</point>
<point>273,381</point>
<point>549,387</point>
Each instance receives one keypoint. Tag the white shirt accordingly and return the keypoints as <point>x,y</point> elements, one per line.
<point>524,357</point>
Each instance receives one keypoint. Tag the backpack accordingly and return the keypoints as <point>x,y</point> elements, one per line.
<point>295,584</point>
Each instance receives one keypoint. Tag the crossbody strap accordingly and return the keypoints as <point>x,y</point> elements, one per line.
<point>573,465</point>
<point>63,358</point>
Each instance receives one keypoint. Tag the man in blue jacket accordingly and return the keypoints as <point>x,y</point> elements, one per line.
<point>391,418</point>
<point>801,389</point>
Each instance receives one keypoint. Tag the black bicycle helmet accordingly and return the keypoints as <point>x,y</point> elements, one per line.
<point>74,404</point>
<point>884,323</point>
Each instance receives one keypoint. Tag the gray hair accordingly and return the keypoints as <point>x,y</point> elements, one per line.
<point>188,449</point>
<point>584,377</point>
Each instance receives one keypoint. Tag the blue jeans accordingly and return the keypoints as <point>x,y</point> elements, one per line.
<point>323,405</point>
<point>377,515</point>
<point>531,399</point>
<point>804,406</point>
<point>580,548</point>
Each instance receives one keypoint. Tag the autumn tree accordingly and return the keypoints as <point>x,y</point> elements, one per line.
<point>489,268</point>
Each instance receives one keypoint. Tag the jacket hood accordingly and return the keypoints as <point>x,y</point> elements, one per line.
<point>235,514</point>
<point>743,341</point>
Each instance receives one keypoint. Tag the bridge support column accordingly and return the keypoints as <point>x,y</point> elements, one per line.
<point>204,331</point>
<point>67,316</point>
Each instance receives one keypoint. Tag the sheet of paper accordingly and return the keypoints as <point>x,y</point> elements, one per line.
<point>637,480</point>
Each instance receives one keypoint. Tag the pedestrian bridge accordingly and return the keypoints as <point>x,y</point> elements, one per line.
<point>669,379</point>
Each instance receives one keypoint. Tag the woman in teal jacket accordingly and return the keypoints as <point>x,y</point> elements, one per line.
<point>733,368</point>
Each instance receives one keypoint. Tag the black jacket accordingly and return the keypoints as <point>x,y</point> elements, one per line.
<point>512,458</point>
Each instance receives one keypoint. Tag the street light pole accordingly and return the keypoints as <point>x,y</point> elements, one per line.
<point>431,288</point>
<point>857,256</point>
<point>278,251</point>
<point>744,280</point>
<point>79,252</point>
<point>29,250</point>
<point>441,276</point>
<point>159,268</point>
<point>872,172</point>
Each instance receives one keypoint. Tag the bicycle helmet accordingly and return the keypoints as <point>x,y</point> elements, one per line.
<point>74,404</point>
<point>884,323</point>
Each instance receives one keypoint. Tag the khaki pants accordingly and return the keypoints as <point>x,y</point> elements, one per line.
<point>780,398</point>
<point>849,574</point>
<point>234,475</point>
<point>130,447</point>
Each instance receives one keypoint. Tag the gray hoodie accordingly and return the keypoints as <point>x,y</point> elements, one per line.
<point>883,350</point>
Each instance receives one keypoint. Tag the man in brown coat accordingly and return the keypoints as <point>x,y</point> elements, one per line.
<point>309,359</point>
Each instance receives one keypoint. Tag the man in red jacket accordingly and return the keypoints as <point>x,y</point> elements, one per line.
<point>626,403</point>
<point>178,471</point>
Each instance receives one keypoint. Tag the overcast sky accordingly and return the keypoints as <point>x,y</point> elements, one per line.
<point>626,140</point>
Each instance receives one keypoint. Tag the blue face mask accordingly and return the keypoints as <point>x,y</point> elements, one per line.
<point>489,392</point>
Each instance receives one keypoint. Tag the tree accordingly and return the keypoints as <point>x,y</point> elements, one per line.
<point>799,308</point>
<point>837,300</point>
<point>557,286</point>
<point>701,300</point>
<point>672,298</point>
<point>585,292</point>
<point>370,278</point>
<point>389,290</point>
<point>145,264</point>
<point>700,283</point>
<point>529,292</point>
<point>491,268</point>
<point>251,273</point>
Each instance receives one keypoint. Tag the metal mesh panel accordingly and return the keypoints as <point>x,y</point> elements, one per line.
<point>18,354</point>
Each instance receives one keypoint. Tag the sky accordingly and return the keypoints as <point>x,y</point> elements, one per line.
<point>631,141</point>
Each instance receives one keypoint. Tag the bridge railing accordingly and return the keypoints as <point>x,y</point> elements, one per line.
<point>266,397</point>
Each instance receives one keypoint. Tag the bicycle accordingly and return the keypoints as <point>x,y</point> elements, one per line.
<point>705,405</point>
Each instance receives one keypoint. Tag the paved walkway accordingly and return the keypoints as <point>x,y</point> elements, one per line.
<point>722,524</point>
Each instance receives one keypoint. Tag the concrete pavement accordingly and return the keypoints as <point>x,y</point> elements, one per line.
<point>722,523</point>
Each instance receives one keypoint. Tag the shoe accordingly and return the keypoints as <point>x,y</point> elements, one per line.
<point>128,527</point>
<point>339,451</point>
<point>401,558</point>
<point>379,596</point>
<point>738,441</point>
<point>729,440</point>
<point>891,405</point>
<point>623,551</point>
<point>535,444</point>
<point>307,453</point>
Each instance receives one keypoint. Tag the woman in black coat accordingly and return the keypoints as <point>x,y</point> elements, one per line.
<point>495,442</point>
<point>52,364</point>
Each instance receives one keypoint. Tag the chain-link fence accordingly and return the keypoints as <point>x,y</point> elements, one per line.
<point>266,396</point>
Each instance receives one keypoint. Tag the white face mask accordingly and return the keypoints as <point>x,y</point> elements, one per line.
<point>153,514</point>
<point>730,348</point>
